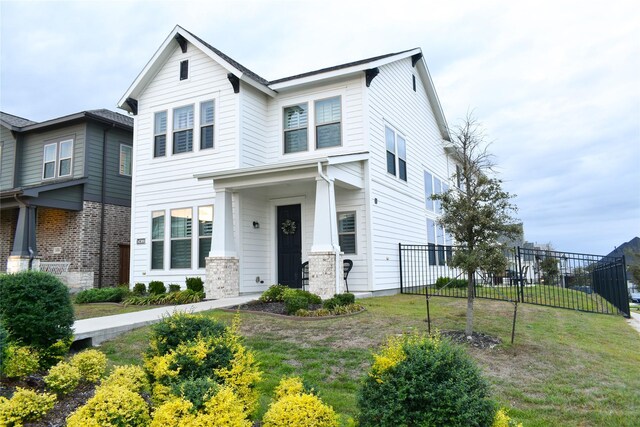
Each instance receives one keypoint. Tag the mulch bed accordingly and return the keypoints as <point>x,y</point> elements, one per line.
<point>477,340</point>
<point>278,309</point>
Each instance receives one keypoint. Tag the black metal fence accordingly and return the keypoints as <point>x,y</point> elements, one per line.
<point>582,282</point>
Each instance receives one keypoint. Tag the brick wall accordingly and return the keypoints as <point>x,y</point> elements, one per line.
<point>8,220</point>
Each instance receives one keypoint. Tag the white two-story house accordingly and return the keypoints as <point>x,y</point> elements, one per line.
<point>240,180</point>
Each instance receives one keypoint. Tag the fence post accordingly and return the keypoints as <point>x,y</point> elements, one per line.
<point>400,261</point>
<point>520,288</point>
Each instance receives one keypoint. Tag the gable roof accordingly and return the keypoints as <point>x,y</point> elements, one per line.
<point>20,124</point>
<point>12,122</point>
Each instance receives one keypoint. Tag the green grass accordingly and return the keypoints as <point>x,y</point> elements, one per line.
<point>87,311</point>
<point>566,368</point>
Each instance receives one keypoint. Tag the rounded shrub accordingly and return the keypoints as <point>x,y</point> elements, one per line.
<point>131,377</point>
<point>418,380</point>
<point>35,308</point>
<point>25,405</point>
<point>63,378</point>
<point>156,287</point>
<point>139,289</point>
<point>275,293</point>
<point>172,413</point>
<point>297,299</point>
<point>115,294</point>
<point>180,328</point>
<point>111,406</point>
<point>92,364</point>
<point>20,361</point>
<point>196,390</point>
<point>294,407</point>
<point>195,284</point>
<point>173,287</point>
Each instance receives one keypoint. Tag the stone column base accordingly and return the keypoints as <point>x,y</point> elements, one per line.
<point>222,277</point>
<point>322,274</point>
<point>17,263</point>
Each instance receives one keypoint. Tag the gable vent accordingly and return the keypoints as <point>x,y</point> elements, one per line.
<point>184,69</point>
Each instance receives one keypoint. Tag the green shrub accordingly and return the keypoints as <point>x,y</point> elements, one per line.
<point>173,287</point>
<point>181,297</point>
<point>451,283</point>
<point>156,287</point>
<point>180,328</point>
<point>24,405</point>
<point>131,377</point>
<point>20,361</point>
<point>112,406</point>
<point>4,344</point>
<point>139,289</point>
<point>275,293</point>
<point>35,308</point>
<point>63,378</point>
<point>417,380</point>
<point>116,294</point>
<point>196,390</point>
<point>296,299</point>
<point>195,284</point>
<point>339,300</point>
<point>92,364</point>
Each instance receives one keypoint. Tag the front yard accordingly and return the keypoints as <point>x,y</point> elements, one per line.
<point>565,368</point>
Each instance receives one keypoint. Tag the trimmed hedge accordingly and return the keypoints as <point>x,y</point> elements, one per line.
<point>296,299</point>
<point>451,283</point>
<point>156,287</point>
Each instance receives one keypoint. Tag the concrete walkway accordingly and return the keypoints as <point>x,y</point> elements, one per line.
<point>98,329</point>
<point>635,321</point>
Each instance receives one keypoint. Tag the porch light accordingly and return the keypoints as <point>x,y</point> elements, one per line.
<point>256,224</point>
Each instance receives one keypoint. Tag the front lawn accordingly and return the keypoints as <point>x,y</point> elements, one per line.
<point>87,311</point>
<point>566,368</point>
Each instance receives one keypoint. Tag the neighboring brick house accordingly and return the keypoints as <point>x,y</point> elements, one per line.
<point>330,164</point>
<point>56,202</point>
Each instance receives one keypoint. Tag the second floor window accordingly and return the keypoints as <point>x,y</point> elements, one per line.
<point>328,117</point>
<point>433,185</point>
<point>126,154</point>
<point>57,159</point>
<point>295,128</point>
<point>206,124</point>
<point>160,134</point>
<point>183,129</point>
<point>396,154</point>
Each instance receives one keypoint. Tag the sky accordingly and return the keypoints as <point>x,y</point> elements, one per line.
<point>555,84</point>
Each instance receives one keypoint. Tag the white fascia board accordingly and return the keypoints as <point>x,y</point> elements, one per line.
<point>425,76</point>
<point>237,173</point>
<point>262,88</point>
<point>341,72</point>
<point>348,158</point>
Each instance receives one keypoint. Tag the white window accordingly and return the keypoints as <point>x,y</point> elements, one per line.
<point>126,156</point>
<point>347,232</point>
<point>205,231</point>
<point>160,134</point>
<point>181,232</point>
<point>183,129</point>
<point>396,154</point>
<point>328,127</point>
<point>432,186</point>
<point>157,240</point>
<point>206,124</point>
<point>57,159</point>
<point>295,128</point>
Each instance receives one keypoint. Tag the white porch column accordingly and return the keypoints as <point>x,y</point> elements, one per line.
<point>325,270</point>
<point>222,265</point>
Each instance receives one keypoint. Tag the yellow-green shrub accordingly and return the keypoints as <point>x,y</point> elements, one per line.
<point>131,377</point>
<point>289,386</point>
<point>300,410</point>
<point>111,406</point>
<point>502,419</point>
<point>20,361</point>
<point>63,378</point>
<point>92,364</point>
<point>25,405</point>
<point>172,413</point>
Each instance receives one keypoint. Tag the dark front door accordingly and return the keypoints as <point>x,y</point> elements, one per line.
<point>123,276</point>
<point>289,245</point>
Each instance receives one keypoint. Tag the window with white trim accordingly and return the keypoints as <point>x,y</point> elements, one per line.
<point>57,159</point>
<point>432,186</point>
<point>157,240</point>
<point>328,122</point>
<point>49,162</point>
<point>347,232</point>
<point>206,124</point>
<point>296,121</point>
<point>181,232</point>
<point>126,157</point>
<point>183,129</point>
<point>205,232</point>
<point>160,134</point>
<point>396,153</point>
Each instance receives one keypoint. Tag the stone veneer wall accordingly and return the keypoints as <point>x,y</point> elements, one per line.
<point>8,221</point>
<point>322,274</point>
<point>222,277</point>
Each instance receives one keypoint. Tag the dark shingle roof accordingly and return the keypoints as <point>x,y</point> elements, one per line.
<point>15,121</point>
<point>112,115</point>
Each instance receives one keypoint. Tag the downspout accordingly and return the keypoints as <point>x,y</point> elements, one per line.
<point>332,220</point>
<point>102,201</point>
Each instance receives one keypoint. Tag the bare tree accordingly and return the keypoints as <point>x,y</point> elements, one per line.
<point>479,212</point>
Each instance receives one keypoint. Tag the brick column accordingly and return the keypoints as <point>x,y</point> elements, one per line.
<point>322,274</point>
<point>222,277</point>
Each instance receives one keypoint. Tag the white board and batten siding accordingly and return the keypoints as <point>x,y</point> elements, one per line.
<point>399,214</point>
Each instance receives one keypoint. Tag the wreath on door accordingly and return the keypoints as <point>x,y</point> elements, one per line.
<point>288,227</point>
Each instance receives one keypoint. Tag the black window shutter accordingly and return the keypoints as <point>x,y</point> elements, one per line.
<point>184,69</point>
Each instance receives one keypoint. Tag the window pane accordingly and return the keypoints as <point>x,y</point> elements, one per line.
<point>65,167</point>
<point>50,153</point>
<point>160,146</point>
<point>125,160</point>
<point>431,231</point>
<point>183,117</point>
<point>402,149</point>
<point>157,255</point>
<point>181,223</point>
<point>437,189</point>
<point>206,137</point>
<point>160,122</point>
<point>295,117</point>
<point>181,253</point>
<point>157,225</point>
<point>65,149</point>
<point>391,163</point>
<point>346,222</point>
<point>183,141</point>
<point>205,221</point>
<point>402,169</point>
<point>428,190</point>
<point>328,135</point>
<point>328,110</point>
<point>432,254</point>
<point>49,169</point>
<point>203,251</point>
<point>206,113</point>
<point>295,140</point>
<point>391,140</point>
<point>347,243</point>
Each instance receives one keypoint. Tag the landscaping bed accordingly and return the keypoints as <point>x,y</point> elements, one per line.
<point>277,308</point>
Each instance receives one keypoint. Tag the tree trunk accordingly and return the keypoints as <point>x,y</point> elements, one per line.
<point>470,295</point>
